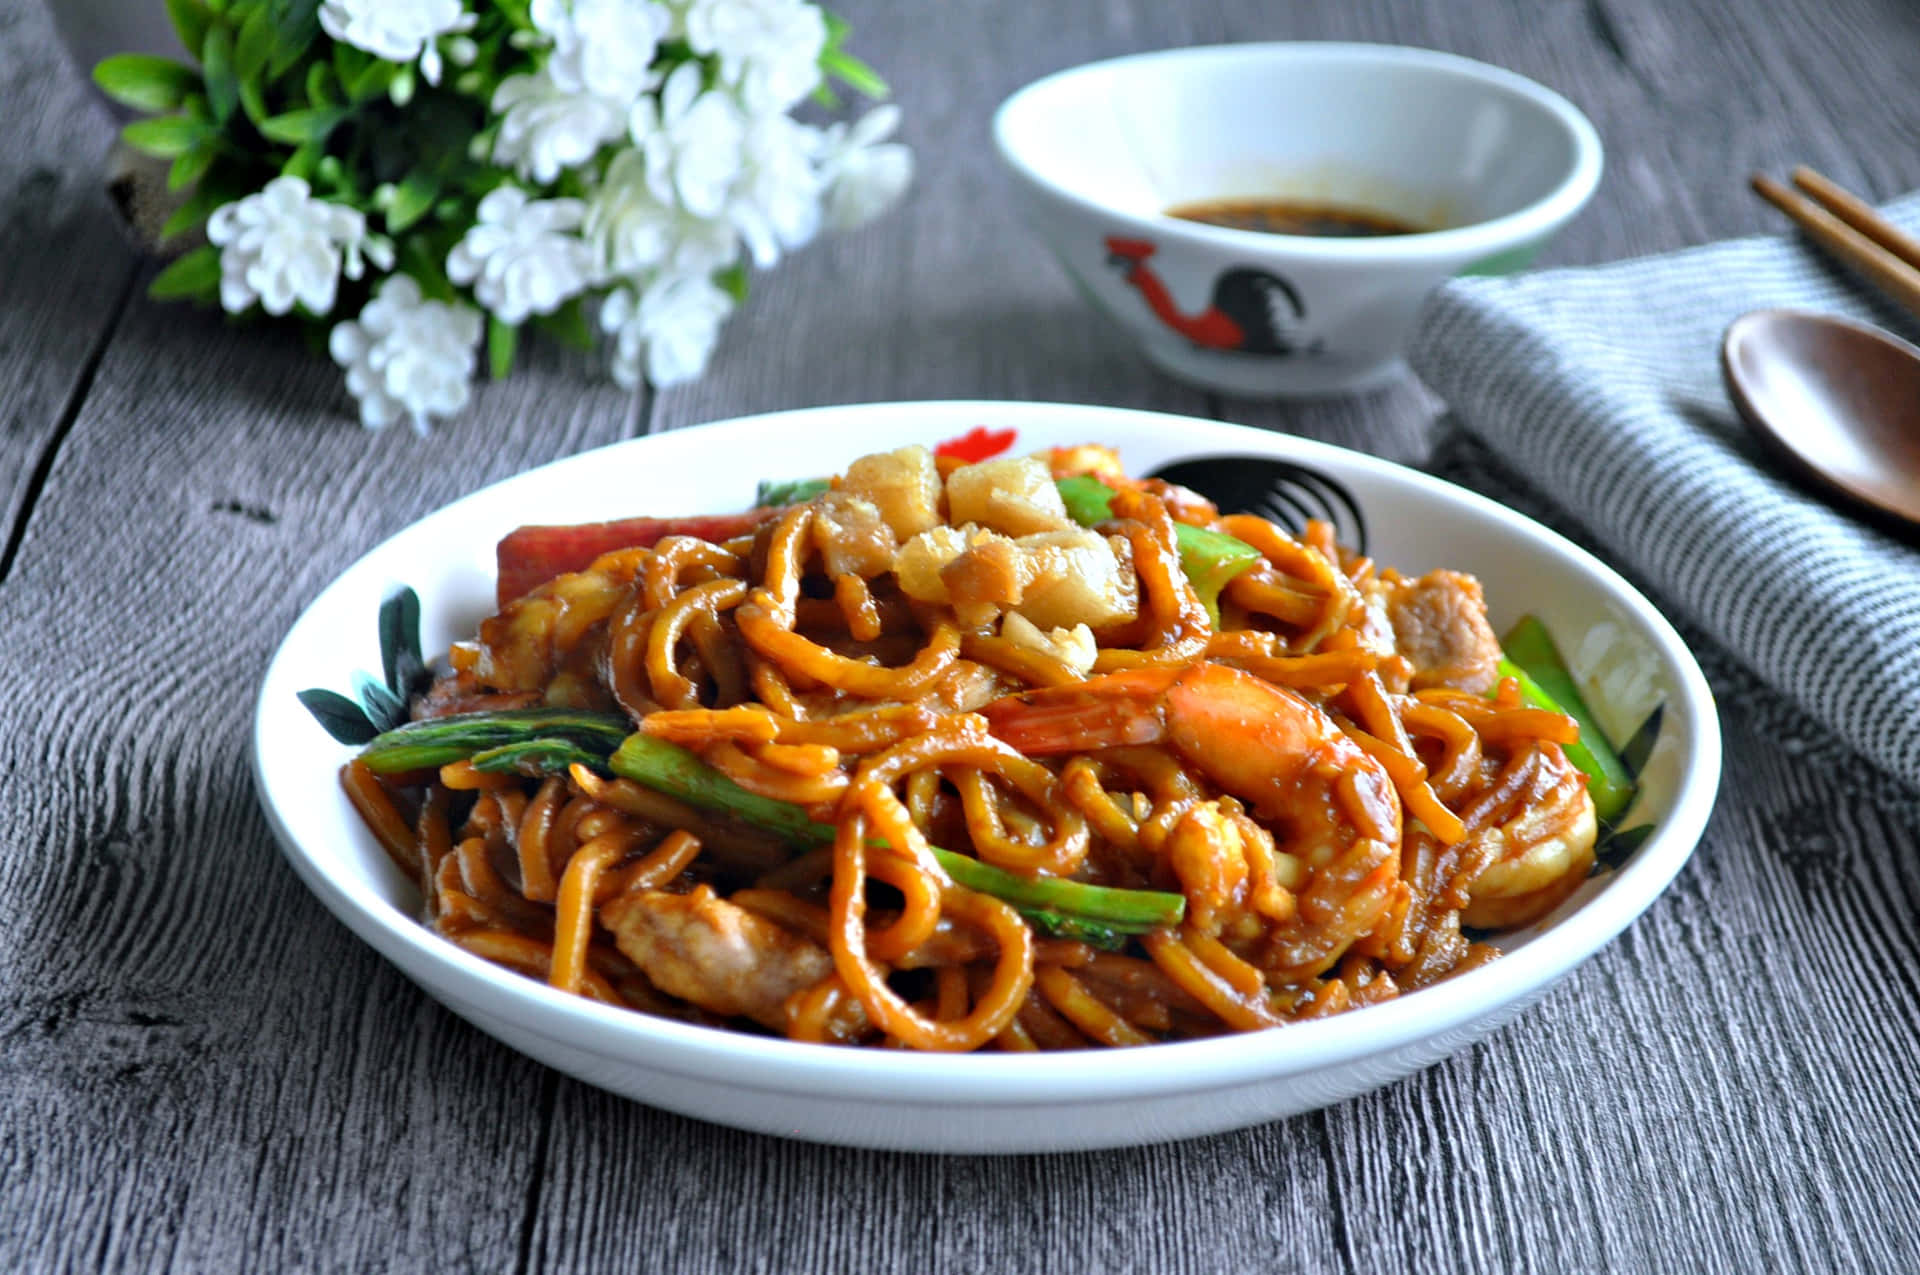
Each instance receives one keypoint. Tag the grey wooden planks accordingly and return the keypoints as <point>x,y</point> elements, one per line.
<point>203,1071</point>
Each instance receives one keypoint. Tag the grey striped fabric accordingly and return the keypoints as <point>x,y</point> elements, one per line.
<point>1602,387</point>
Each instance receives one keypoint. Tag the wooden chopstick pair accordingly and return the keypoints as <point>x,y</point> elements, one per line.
<point>1847,227</point>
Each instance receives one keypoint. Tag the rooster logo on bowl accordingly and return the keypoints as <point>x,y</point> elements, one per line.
<point>1251,311</point>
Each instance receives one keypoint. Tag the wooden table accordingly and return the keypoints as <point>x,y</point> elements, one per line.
<point>204,1071</point>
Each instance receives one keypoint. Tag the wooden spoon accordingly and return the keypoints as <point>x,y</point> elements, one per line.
<point>1838,401</point>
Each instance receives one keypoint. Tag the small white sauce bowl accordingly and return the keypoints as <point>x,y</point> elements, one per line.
<point>1493,161</point>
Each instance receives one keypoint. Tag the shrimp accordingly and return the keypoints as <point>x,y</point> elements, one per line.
<point>1337,810</point>
<point>1538,856</point>
<point>1267,745</point>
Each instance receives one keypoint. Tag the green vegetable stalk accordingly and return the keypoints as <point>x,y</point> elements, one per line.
<point>498,741</point>
<point>677,772</point>
<point>542,741</point>
<point>1534,662</point>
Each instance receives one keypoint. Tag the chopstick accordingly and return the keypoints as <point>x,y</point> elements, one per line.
<point>1850,230</point>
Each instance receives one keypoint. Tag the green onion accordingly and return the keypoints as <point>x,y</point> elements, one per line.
<point>542,741</point>
<point>1534,662</point>
<point>440,740</point>
<point>1049,902</point>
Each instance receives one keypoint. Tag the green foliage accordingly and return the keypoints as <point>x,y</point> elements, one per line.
<point>165,136</point>
<point>502,338</point>
<point>145,82</point>
<point>265,93</point>
<point>195,276</point>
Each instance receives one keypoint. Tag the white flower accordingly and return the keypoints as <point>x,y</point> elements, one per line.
<point>397,30</point>
<point>633,231</point>
<point>768,49</point>
<point>775,203</point>
<point>406,356</point>
<point>282,246</point>
<point>545,127</point>
<point>603,47</point>
<point>672,327</point>
<point>691,141</point>
<point>520,257</point>
<point>861,172</point>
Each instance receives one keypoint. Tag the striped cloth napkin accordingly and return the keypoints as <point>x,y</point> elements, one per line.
<point>1602,388</point>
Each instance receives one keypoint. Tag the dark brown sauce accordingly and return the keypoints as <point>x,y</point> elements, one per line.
<point>1294,217</point>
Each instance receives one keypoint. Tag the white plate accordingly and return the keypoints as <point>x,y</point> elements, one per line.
<point>1621,646</point>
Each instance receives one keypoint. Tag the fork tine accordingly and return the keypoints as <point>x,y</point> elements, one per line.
<point>1283,505</point>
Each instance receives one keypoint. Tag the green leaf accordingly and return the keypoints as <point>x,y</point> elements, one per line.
<point>339,716</point>
<point>164,136</point>
<point>1635,752</point>
<point>423,259</point>
<point>144,82</point>
<point>216,63</point>
<point>348,62</point>
<point>302,162</point>
<point>195,275</point>
<point>253,46</point>
<point>297,128</point>
<point>371,82</point>
<point>412,199</point>
<point>384,709</point>
<point>569,326</point>
<point>319,86</point>
<point>192,165</point>
<point>198,208</point>
<point>296,26</point>
<point>190,19</point>
<point>253,100</point>
<point>400,658</point>
<point>853,73</point>
<point>501,340</point>
<point>733,281</point>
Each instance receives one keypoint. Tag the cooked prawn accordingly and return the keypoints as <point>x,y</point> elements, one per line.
<point>1539,854</point>
<point>1267,745</point>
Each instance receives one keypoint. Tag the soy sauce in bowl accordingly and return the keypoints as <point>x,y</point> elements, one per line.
<point>1295,217</point>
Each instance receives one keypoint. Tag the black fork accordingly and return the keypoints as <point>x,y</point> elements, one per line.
<point>1277,490</point>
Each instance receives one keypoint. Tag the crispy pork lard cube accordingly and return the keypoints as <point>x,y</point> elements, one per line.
<point>904,485</point>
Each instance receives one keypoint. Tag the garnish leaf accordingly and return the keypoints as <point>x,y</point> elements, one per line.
<point>1616,846</point>
<point>1634,753</point>
<point>339,716</point>
<point>400,658</point>
<point>384,709</point>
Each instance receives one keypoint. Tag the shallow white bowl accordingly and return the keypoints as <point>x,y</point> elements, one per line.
<point>1628,655</point>
<point>1100,152</point>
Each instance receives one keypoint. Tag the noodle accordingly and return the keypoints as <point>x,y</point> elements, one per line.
<point>1311,814</point>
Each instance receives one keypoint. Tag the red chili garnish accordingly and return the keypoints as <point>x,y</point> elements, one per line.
<point>977,444</point>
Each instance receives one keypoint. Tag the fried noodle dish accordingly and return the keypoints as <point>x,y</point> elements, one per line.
<point>1017,754</point>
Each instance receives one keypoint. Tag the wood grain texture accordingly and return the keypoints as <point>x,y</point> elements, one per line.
<point>63,268</point>
<point>202,1071</point>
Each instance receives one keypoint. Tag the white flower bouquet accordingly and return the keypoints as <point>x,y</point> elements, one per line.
<point>451,171</point>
